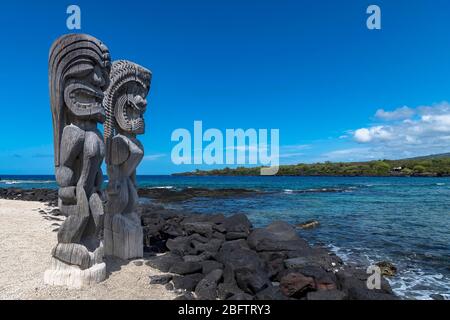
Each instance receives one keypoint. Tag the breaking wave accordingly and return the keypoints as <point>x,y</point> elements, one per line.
<point>13,182</point>
<point>319,190</point>
<point>410,283</point>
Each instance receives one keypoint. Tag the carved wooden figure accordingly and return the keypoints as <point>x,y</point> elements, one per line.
<point>79,67</point>
<point>125,103</point>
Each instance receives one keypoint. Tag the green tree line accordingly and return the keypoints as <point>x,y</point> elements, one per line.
<point>406,167</point>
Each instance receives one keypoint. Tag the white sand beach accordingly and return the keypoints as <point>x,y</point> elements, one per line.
<point>27,237</point>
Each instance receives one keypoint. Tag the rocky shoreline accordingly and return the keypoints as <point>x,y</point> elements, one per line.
<point>161,195</point>
<point>165,195</point>
<point>210,257</point>
<point>49,196</point>
<point>217,257</point>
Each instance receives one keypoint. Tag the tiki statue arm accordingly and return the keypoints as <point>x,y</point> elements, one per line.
<point>71,147</point>
<point>120,153</point>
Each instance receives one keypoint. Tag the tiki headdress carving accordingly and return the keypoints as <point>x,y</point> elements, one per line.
<point>125,100</point>
<point>79,66</point>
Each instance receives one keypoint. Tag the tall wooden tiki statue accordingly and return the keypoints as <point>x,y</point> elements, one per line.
<point>79,67</point>
<point>125,104</point>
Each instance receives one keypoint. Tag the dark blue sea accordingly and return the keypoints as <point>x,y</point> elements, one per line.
<point>363,219</point>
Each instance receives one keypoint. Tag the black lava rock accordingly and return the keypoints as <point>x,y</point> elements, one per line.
<point>184,268</point>
<point>160,279</point>
<point>188,282</point>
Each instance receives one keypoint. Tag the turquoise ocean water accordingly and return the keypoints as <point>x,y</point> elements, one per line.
<point>363,219</point>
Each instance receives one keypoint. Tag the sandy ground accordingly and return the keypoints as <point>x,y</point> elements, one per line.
<point>27,237</point>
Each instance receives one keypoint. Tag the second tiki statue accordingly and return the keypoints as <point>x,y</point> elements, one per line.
<point>125,103</point>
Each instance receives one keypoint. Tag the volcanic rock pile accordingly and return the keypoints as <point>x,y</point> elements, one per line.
<point>217,257</point>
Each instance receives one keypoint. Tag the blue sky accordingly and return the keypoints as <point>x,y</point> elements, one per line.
<point>335,90</point>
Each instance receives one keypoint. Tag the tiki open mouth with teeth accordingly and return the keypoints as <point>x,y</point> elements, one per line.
<point>85,101</point>
<point>129,113</point>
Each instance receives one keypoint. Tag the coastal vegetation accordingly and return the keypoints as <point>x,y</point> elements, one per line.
<point>428,166</point>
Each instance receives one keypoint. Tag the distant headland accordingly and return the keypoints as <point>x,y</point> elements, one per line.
<point>437,165</point>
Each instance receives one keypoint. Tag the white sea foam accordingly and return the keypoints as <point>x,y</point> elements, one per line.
<point>369,185</point>
<point>417,284</point>
<point>408,284</point>
<point>320,190</point>
<point>344,254</point>
<point>12,182</point>
<point>163,187</point>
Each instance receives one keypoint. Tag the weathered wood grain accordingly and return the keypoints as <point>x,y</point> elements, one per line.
<point>125,103</point>
<point>79,67</point>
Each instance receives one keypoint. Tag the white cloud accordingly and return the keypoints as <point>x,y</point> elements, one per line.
<point>153,157</point>
<point>351,154</point>
<point>406,132</point>
<point>398,114</point>
<point>365,135</point>
<point>292,155</point>
<point>297,147</point>
<point>293,151</point>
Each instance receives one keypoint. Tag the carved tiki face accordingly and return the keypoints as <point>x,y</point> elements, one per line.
<point>130,108</point>
<point>83,93</point>
<point>79,67</point>
<point>126,98</point>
